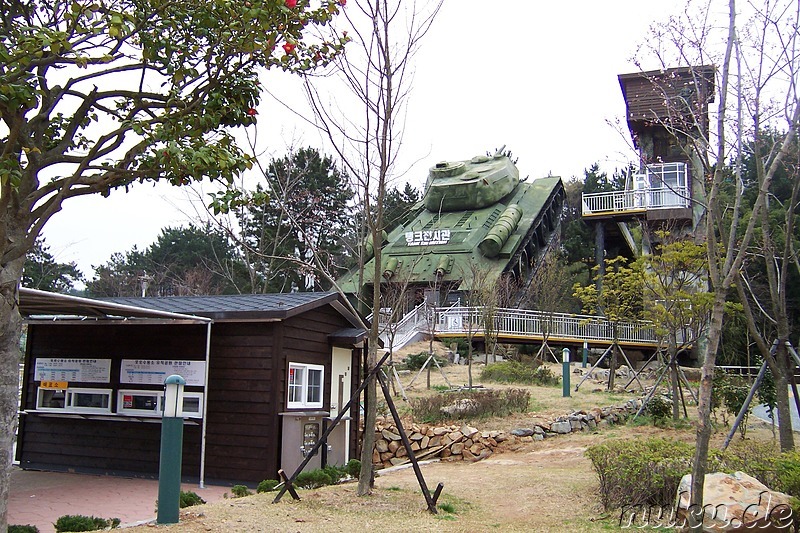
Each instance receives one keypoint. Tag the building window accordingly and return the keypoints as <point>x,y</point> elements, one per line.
<point>305,386</point>
<point>151,403</point>
<point>74,400</point>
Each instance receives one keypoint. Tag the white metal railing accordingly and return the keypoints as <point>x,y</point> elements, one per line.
<point>659,186</point>
<point>397,334</point>
<point>538,324</point>
<point>639,200</point>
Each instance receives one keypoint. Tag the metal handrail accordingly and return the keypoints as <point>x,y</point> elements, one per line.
<point>528,323</point>
<point>635,200</point>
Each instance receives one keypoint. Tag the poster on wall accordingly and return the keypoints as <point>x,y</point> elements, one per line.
<point>72,370</point>
<point>154,372</point>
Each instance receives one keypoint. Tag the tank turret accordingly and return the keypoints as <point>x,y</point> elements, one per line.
<point>473,184</point>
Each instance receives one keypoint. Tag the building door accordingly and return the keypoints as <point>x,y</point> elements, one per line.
<point>640,191</point>
<point>339,439</point>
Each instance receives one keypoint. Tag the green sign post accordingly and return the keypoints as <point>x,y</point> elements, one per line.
<point>169,470</point>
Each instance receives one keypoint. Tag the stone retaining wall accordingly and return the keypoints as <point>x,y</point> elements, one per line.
<point>466,443</point>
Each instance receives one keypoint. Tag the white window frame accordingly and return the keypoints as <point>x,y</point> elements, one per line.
<point>159,410</point>
<point>303,370</point>
<point>121,409</point>
<point>186,412</point>
<point>70,397</point>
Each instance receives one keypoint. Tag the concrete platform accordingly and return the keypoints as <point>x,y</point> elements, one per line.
<point>39,498</point>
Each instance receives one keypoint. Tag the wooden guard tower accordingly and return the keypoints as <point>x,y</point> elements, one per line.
<point>667,115</point>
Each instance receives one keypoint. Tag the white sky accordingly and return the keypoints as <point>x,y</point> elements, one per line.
<point>538,77</point>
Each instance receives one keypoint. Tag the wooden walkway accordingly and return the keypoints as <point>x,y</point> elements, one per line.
<point>527,326</point>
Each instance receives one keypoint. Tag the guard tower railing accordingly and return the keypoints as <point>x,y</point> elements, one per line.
<point>629,201</point>
<point>660,186</point>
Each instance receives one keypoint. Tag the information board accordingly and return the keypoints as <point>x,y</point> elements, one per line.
<point>73,370</point>
<point>154,372</point>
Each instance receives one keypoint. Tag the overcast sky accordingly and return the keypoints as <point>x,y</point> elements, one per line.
<point>537,77</point>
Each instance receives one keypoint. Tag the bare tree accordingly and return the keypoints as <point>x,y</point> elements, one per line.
<point>364,124</point>
<point>757,89</point>
<point>548,293</point>
<point>774,258</point>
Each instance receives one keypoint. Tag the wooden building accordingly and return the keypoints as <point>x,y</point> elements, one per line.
<point>264,373</point>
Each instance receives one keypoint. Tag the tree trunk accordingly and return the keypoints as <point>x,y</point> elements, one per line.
<point>785,432</point>
<point>612,367</point>
<point>673,377</point>
<point>10,327</point>
<point>703,432</point>
<point>469,364</point>
<point>366,478</point>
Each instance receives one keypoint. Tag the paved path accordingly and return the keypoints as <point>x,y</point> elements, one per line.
<point>761,412</point>
<point>39,498</point>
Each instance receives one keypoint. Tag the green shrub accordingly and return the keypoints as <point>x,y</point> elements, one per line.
<point>756,458</point>
<point>268,485</point>
<point>353,468</point>
<point>190,499</point>
<point>659,408</point>
<point>23,529</point>
<point>336,473</point>
<point>415,361</point>
<point>787,470</point>
<point>240,491</point>
<point>462,345</point>
<point>467,405</point>
<point>728,396</point>
<point>637,472</point>
<point>313,479</point>
<point>79,522</point>
<point>532,373</point>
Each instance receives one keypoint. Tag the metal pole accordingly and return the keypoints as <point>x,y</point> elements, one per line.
<point>565,372</point>
<point>746,404</point>
<point>169,470</point>
<point>585,354</point>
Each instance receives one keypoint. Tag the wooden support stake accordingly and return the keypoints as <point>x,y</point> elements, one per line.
<point>635,376</point>
<point>288,484</point>
<point>593,368</point>
<point>407,443</point>
<point>437,492</point>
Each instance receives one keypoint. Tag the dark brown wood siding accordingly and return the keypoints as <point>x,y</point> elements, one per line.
<point>93,443</point>
<point>675,94</point>
<point>241,442</point>
<point>246,392</point>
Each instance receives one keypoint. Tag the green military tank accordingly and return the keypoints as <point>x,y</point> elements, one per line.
<point>477,219</point>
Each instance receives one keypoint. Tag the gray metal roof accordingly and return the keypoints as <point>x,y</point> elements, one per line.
<point>239,307</point>
<point>36,303</point>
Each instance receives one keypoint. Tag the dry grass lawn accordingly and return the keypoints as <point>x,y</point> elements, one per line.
<point>538,486</point>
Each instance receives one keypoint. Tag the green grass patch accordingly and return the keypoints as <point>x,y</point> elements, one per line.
<point>530,373</point>
<point>470,405</point>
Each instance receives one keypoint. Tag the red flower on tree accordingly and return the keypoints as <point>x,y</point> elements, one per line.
<point>252,112</point>
<point>288,48</point>
<point>291,4</point>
